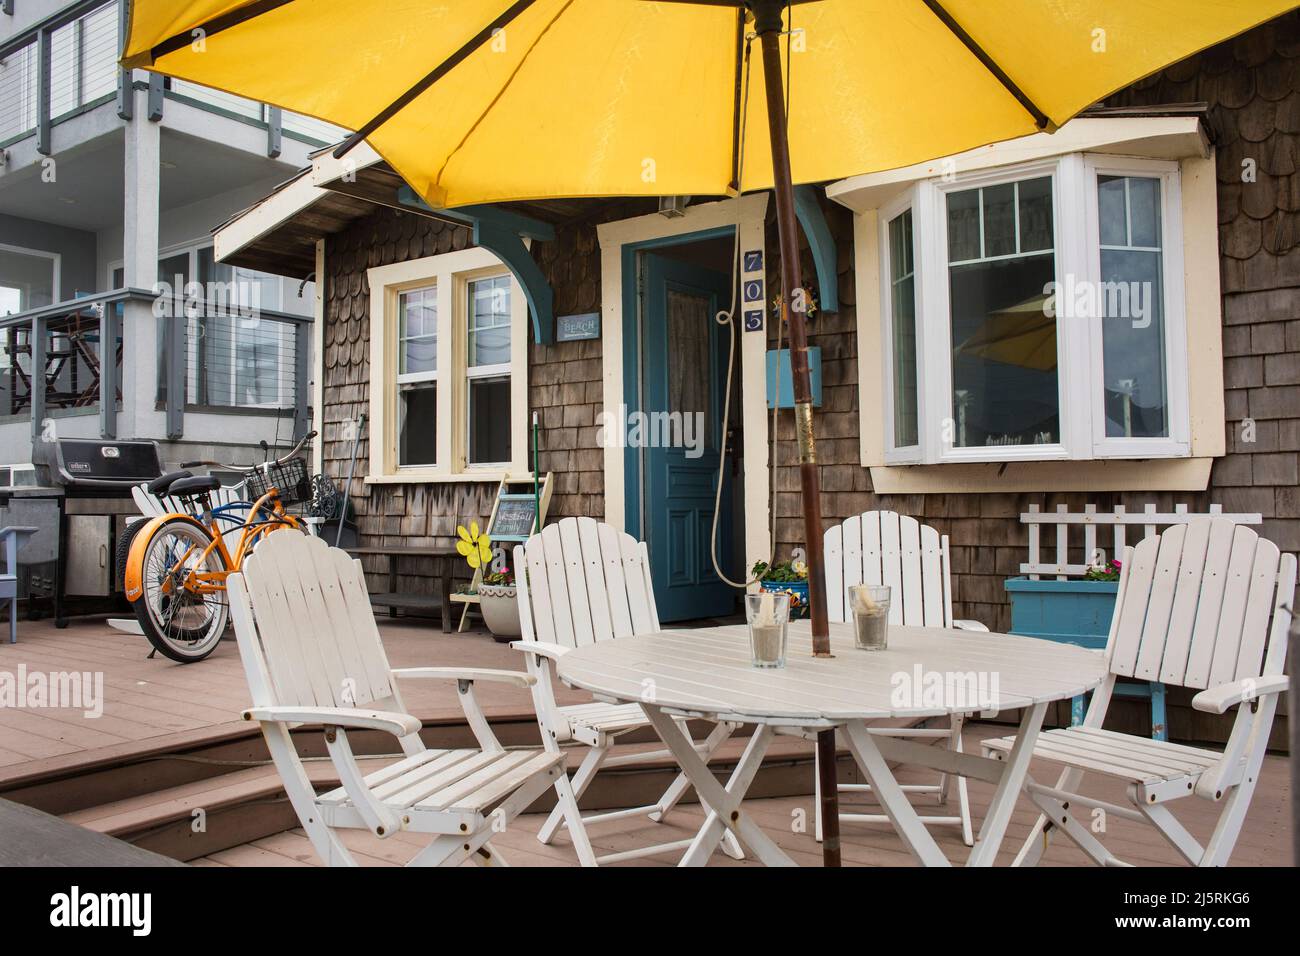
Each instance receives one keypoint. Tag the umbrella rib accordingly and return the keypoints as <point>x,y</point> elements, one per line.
<point>437,180</point>
<point>433,76</point>
<point>214,26</point>
<point>1041,119</point>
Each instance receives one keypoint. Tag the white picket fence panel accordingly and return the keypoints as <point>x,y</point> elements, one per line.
<point>1091,519</point>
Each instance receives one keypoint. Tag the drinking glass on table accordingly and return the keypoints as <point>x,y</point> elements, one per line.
<point>768,614</point>
<point>870,606</point>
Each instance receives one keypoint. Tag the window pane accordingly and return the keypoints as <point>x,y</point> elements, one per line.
<point>26,281</point>
<point>489,420</point>
<point>489,322</point>
<point>258,362</point>
<point>417,424</point>
<point>418,331</point>
<point>903,330</point>
<point>964,225</point>
<point>689,388</point>
<point>1036,214</point>
<point>1111,211</point>
<point>1131,301</point>
<point>999,220</point>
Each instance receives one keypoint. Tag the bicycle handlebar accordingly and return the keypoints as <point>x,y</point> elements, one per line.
<point>293,452</point>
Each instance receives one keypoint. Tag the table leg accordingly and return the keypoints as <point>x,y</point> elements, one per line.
<point>901,813</point>
<point>1015,768</point>
<point>723,803</point>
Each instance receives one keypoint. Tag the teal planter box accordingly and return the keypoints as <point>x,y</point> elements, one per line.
<point>1071,612</point>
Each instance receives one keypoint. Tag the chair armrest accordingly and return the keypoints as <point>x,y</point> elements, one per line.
<point>17,530</point>
<point>399,725</point>
<point>969,626</point>
<point>541,648</point>
<point>516,678</point>
<point>1217,700</point>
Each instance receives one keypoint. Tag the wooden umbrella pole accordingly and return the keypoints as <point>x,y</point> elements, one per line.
<point>767,24</point>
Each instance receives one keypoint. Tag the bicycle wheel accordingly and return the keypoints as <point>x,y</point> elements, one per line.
<point>184,625</point>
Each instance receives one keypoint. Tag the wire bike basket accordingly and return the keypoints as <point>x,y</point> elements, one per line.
<point>289,479</point>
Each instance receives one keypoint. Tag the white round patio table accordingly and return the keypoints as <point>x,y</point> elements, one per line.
<point>925,672</point>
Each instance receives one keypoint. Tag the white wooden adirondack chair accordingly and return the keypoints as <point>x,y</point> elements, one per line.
<point>1193,609</point>
<point>588,582</point>
<point>884,547</point>
<point>312,654</point>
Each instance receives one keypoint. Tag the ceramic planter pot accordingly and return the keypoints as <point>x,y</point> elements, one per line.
<point>500,610</point>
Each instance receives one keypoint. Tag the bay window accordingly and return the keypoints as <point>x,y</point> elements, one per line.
<point>1034,312</point>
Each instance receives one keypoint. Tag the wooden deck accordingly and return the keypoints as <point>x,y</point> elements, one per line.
<point>1265,839</point>
<point>156,707</point>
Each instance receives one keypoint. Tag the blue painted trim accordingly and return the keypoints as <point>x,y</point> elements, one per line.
<point>502,233</point>
<point>813,221</point>
<point>632,361</point>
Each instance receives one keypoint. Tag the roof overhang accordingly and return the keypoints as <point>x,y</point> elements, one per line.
<point>1174,133</point>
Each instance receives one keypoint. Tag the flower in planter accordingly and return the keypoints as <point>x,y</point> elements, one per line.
<point>1104,572</point>
<point>474,547</point>
<point>505,578</point>
<point>781,571</point>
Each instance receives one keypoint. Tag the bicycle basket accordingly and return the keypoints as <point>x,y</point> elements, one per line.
<point>289,479</point>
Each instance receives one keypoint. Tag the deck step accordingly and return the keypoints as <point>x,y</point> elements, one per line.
<point>206,816</point>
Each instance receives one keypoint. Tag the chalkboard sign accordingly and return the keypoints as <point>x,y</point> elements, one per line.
<point>514,518</point>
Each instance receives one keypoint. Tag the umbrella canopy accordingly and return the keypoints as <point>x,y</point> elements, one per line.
<point>630,97</point>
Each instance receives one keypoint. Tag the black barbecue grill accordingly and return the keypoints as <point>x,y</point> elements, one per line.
<point>95,478</point>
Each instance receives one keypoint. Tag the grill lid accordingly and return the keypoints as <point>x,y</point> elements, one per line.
<point>116,465</point>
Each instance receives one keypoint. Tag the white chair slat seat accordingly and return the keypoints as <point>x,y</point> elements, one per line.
<point>312,655</point>
<point>886,548</point>
<point>587,582</point>
<point>1205,606</point>
<point>1114,755</point>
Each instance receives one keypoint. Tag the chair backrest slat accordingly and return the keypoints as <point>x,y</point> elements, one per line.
<point>884,547</point>
<point>1197,602</point>
<point>315,631</point>
<point>586,582</point>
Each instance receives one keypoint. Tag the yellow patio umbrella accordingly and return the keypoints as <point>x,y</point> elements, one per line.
<point>478,101</point>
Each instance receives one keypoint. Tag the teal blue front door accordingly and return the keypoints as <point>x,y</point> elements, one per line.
<point>682,374</point>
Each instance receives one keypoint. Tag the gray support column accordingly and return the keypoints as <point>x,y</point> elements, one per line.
<point>274,131</point>
<point>140,416</point>
<point>301,378</point>
<point>125,78</point>
<point>108,370</point>
<point>43,80</point>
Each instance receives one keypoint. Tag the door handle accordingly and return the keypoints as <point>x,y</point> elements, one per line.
<point>103,555</point>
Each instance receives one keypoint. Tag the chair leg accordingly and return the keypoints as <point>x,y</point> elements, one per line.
<point>581,780</point>
<point>567,807</point>
<point>963,800</point>
<point>677,789</point>
<point>488,856</point>
<point>1061,818</point>
<point>817,796</point>
<point>1041,834</point>
<point>13,620</point>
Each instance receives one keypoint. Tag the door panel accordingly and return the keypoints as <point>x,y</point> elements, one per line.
<point>683,372</point>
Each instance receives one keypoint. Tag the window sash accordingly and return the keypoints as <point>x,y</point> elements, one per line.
<point>1077,249</point>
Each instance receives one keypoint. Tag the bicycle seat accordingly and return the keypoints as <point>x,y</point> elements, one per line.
<point>160,484</point>
<point>201,485</point>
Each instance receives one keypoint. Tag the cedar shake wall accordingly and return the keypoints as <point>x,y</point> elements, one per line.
<point>564,384</point>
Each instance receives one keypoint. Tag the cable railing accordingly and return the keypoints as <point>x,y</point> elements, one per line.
<point>68,63</point>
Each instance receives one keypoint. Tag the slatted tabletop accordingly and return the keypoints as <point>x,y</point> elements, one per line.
<point>707,672</point>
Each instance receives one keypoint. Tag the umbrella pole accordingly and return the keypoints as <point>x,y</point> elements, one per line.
<point>768,25</point>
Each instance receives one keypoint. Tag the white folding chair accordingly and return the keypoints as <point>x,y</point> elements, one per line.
<point>1193,610</point>
<point>580,581</point>
<point>884,547</point>
<point>312,654</point>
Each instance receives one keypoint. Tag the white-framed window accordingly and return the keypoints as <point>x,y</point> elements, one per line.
<point>448,359</point>
<point>1035,313</point>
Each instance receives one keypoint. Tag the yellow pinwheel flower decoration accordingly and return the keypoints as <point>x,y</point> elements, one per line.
<point>475,548</point>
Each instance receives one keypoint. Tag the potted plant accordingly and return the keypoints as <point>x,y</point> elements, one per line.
<point>496,589</point>
<point>1073,611</point>
<point>785,577</point>
<point>497,601</point>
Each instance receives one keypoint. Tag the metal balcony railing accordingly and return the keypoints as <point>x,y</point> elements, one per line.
<point>211,356</point>
<point>67,64</point>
